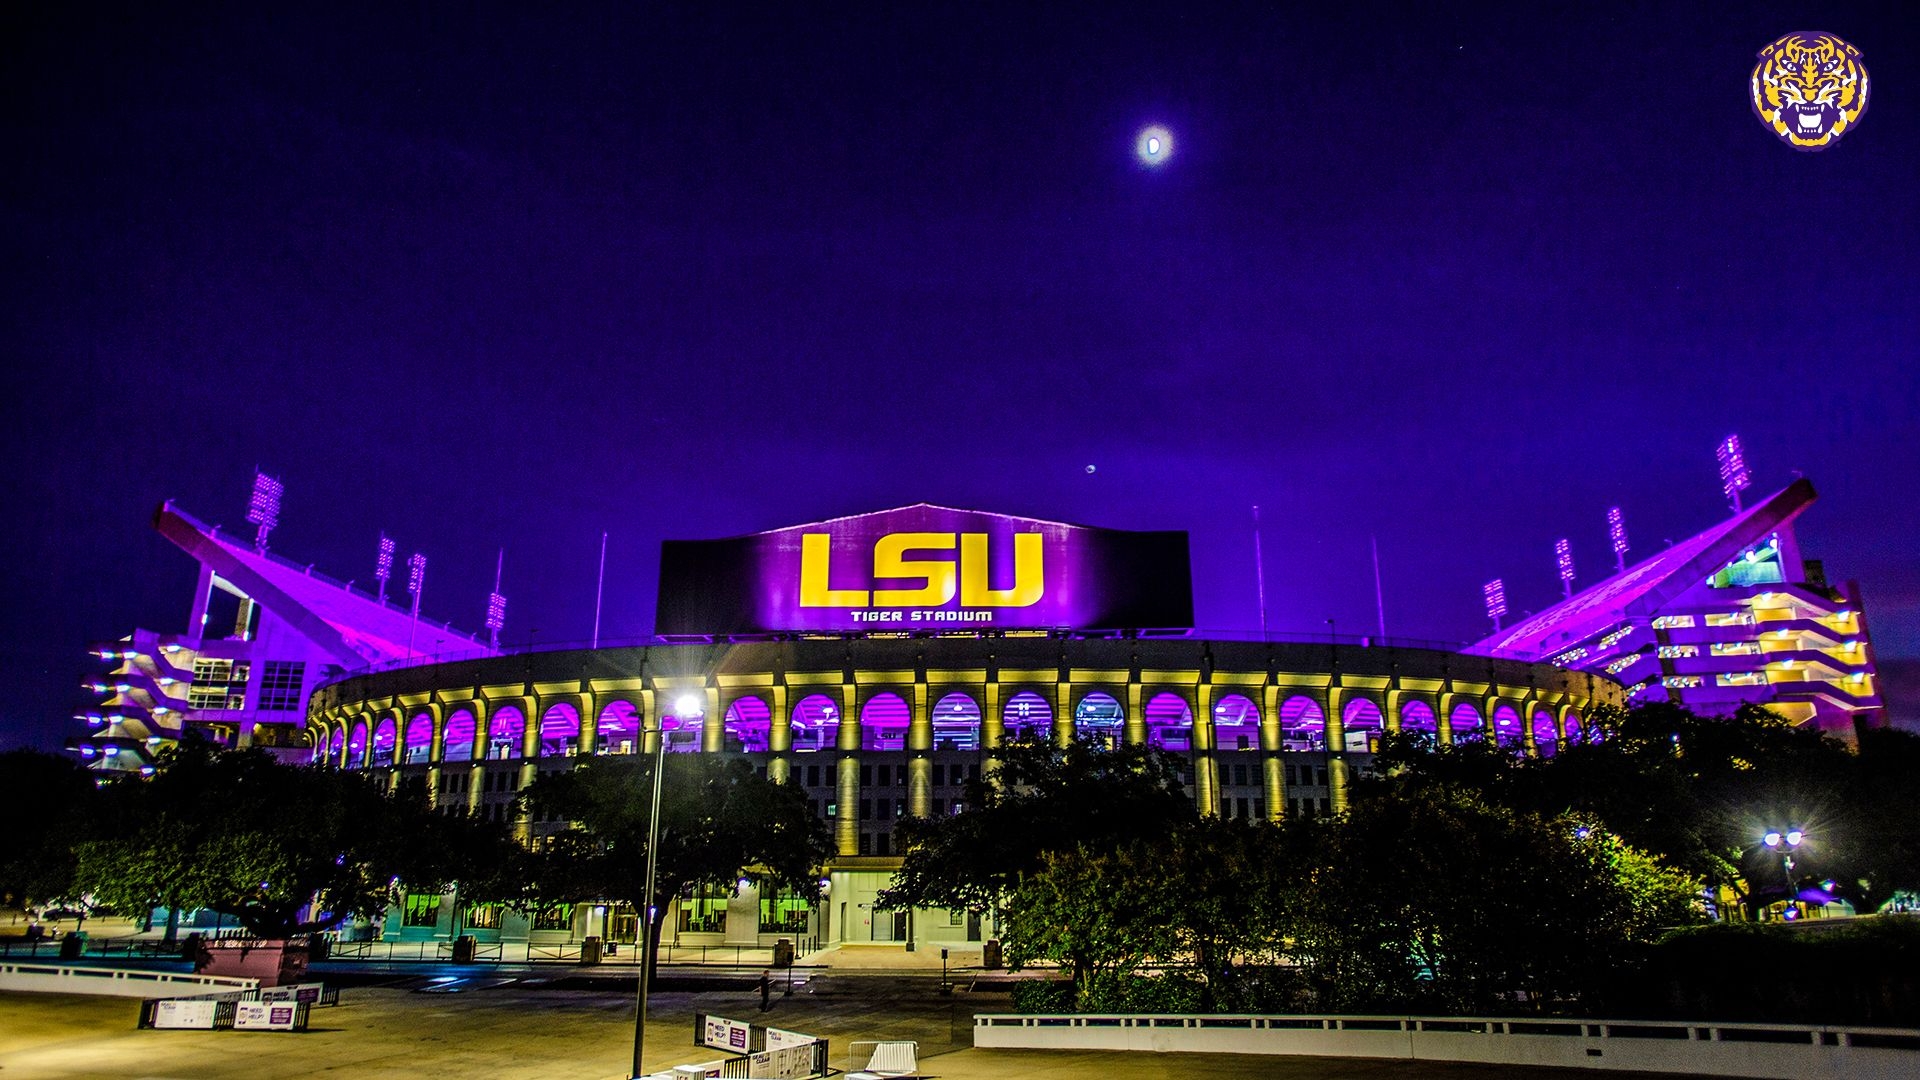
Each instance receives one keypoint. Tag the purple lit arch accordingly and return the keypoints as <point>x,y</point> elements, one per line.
<point>1236,723</point>
<point>883,722</point>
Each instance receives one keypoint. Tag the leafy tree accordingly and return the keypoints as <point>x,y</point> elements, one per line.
<point>719,820</point>
<point>1036,800</point>
<point>1100,914</point>
<point>49,803</point>
<point>284,850</point>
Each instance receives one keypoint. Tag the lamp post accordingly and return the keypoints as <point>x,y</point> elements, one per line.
<point>685,706</point>
<point>1785,843</point>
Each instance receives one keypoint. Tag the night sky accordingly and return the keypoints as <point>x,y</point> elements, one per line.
<point>496,276</point>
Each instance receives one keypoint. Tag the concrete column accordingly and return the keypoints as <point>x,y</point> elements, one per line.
<point>919,741</point>
<point>649,721</point>
<point>1336,748</point>
<point>1062,713</point>
<point>713,728</point>
<point>1205,751</point>
<point>589,710</point>
<point>1337,782</point>
<point>1273,767</point>
<point>779,734</point>
<point>992,725</point>
<point>476,770</point>
<point>1443,715</point>
<point>1396,701</point>
<point>846,827</point>
<point>1136,729</point>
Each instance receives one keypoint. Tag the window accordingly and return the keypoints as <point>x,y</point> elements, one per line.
<point>1673,622</point>
<point>833,809</point>
<point>483,917</point>
<point>554,917</point>
<point>866,776</point>
<point>939,774</point>
<point>1735,648</point>
<point>1677,652</point>
<point>939,808</point>
<point>866,843</point>
<point>1680,682</point>
<point>813,776</point>
<point>1240,774</point>
<point>866,809</point>
<point>783,913</point>
<point>704,911</point>
<point>956,916</point>
<point>1731,618</point>
<point>1740,678</point>
<point>280,685</point>
<point>421,909</point>
<point>882,844</point>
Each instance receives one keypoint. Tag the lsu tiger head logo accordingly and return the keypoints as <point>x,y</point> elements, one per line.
<point>1810,88</point>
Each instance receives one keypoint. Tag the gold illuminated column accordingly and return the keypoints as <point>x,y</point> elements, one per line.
<point>1443,715</point>
<point>1206,767</point>
<point>436,749</point>
<point>652,724</point>
<point>1062,713</point>
<point>1136,730</point>
<point>1396,703</point>
<point>846,827</point>
<point>529,763</point>
<point>992,724</point>
<point>779,734</point>
<point>477,763</point>
<point>587,708</point>
<point>1336,736</point>
<point>713,727</point>
<point>919,741</point>
<point>1273,767</point>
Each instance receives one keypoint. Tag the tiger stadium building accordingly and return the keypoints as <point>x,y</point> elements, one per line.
<point>876,661</point>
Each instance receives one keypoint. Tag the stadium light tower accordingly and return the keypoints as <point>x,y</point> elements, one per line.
<point>1617,535</point>
<point>263,509</point>
<point>383,565</point>
<point>1495,593</point>
<point>416,583</point>
<point>1734,477</point>
<point>496,603</point>
<point>1563,558</point>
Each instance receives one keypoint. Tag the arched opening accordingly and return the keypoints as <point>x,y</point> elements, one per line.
<point>816,724</point>
<point>1236,723</point>
<point>1302,725</point>
<point>1545,733</point>
<point>383,740</point>
<point>1027,715</point>
<point>357,745</point>
<point>338,743</point>
<point>1466,722</point>
<point>749,724</point>
<point>1169,722</point>
<point>1575,733</point>
<point>685,723</point>
<point>617,729</point>
<point>559,731</point>
<point>1506,725</point>
<point>1417,716</point>
<point>419,739</point>
<point>506,733</point>
<point>1361,725</point>
<point>459,736</point>
<point>1098,715</point>
<point>883,722</point>
<point>956,723</point>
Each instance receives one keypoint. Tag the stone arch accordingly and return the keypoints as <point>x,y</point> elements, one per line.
<point>816,723</point>
<point>1573,727</point>
<point>418,741</point>
<point>1467,723</point>
<point>1236,723</point>
<point>956,722</point>
<point>1506,725</point>
<point>1303,725</point>
<point>1361,724</point>
<point>1546,733</point>
<point>617,728</point>
<point>506,734</point>
<point>459,737</point>
<point>1168,719</point>
<point>1027,713</point>
<point>559,730</point>
<point>884,719</point>
<point>1099,713</point>
<point>748,724</point>
<point>337,743</point>
<point>357,745</point>
<point>385,736</point>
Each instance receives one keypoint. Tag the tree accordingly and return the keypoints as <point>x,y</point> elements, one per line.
<point>1101,914</point>
<point>49,803</point>
<point>285,850</point>
<point>719,821</point>
<point>1036,800</point>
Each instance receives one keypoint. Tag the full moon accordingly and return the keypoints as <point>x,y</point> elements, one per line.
<point>1154,145</point>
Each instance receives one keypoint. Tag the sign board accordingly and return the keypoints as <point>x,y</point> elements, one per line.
<point>697,1072</point>
<point>780,1040</point>
<point>787,1063</point>
<point>268,1016</point>
<point>724,1034</point>
<point>307,992</point>
<point>925,567</point>
<point>184,1013</point>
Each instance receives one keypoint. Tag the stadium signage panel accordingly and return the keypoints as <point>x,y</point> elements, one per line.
<point>925,568</point>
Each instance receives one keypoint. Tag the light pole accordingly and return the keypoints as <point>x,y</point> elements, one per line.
<point>1785,843</point>
<point>688,705</point>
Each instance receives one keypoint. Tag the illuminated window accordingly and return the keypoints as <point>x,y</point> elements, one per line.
<point>1740,678</point>
<point>1681,682</point>
<point>554,917</point>
<point>783,913</point>
<point>1623,664</point>
<point>1673,622</point>
<point>1676,652</point>
<point>704,911</point>
<point>1735,648</point>
<point>483,917</point>
<point>280,685</point>
<point>421,909</point>
<point>1730,618</point>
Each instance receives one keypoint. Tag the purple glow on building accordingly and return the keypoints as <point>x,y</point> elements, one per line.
<point>419,740</point>
<point>383,742</point>
<point>1734,477</point>
<point>1546,735</point>
<point>1099,714</point>
<point>1302,725</point>
<point>460,736</point>
<point>748,725</point>
<point>1027,713</point>
<point>1417,716</point>
<point>883,722</point>
<point>1495,594</point>
<point>617,731</point>
<point>559,731</point>
<point>956,723</point>
<point>1361,724</point>
<point>1466,722</point>
<point>1168,720</point>
<point>263,509</point>
<point>816,723</point>
<point>506,734</point>
<point>1236,723</point>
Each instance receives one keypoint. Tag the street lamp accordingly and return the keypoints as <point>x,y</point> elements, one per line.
<point>1785,843</point>
<point>688,705</point>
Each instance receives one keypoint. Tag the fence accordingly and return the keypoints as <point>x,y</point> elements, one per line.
<point>1762,1051</point>
<point>722,956</point>
<point>111,982</point>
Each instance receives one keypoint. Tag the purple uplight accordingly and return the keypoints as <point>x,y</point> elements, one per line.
<point>264,508</point>
<point>1495,593</point>
<point>1734,477</point>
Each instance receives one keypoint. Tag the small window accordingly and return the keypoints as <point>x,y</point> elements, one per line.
<point>554,917</point>
<point>422,909</point>
<point>483,917</point>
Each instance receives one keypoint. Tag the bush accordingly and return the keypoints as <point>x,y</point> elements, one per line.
<point>1043,996</point>
<point>1864,971</point>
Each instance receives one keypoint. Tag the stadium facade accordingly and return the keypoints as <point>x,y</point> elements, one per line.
<point>876,661</point>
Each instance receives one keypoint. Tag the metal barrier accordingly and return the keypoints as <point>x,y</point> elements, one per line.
<point>1770,1051</point>
<point>223,1012</point>
<point>112,982</point>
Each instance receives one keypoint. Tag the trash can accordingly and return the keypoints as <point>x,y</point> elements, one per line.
<point>783,953</point>
<point>463,949</point>
<point>319,946</point>
<point>71,945</point>
<point>590,952</point>
<point>990,954</point>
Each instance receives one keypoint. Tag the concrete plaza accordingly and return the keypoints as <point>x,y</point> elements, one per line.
<point>536,1027</point>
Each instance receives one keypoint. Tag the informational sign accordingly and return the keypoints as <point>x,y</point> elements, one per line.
<point>927,568</point>
<point>184,1013</point>
<point>788,1063</point>
<point>307,992</point>
<point>724,1034</point>
<point>697,1072</point>
<point>780,1040</point>
<point>268,1016</point>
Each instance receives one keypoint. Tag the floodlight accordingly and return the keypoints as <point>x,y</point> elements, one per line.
<point>263,509</point>
<point>689,705</point>
<point>1734,477</point>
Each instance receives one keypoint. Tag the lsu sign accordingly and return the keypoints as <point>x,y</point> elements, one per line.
<point>925,567</point>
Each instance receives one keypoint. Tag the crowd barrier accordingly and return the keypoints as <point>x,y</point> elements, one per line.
<point>1761,1051</point>
<point>112,982</point>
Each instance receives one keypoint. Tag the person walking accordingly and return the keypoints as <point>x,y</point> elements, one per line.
<point>766,990</point>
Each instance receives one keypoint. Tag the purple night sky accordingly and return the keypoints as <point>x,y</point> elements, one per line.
<point>1461,280</point>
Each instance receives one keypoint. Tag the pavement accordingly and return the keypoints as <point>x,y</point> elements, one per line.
<point>558,1025</point>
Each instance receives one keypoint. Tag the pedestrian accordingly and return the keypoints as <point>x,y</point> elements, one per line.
<point>766,990</point>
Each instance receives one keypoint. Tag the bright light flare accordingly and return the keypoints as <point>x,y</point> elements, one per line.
<point>689,705</point>
<point>1153,146</point>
